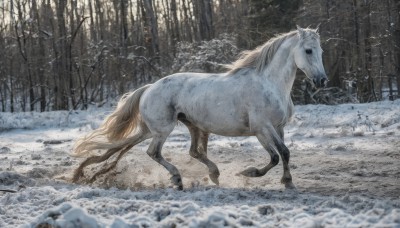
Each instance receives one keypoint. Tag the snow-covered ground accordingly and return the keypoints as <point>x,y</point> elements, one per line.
<point>345,162</point>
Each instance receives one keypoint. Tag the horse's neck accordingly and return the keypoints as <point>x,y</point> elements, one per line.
<point>282,69</point>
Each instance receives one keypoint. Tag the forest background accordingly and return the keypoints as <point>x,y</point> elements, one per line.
<point>68,54</point>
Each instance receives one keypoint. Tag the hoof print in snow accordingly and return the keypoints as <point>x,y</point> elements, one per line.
<point>38,173</point>
<point>55,142</point>
<point>5,150</point>
<point>266,210</point>
<point>36,156</point>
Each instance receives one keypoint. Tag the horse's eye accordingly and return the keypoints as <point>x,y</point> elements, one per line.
<point>308,51</point>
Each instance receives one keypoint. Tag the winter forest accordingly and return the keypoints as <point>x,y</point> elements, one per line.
<point>71,155</point>
<point>67,54</point>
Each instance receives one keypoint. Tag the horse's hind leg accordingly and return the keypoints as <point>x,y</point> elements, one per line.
<point>201,155</point>
<point>198,150</point>
<point>154,151</point>
<point>139,137</point>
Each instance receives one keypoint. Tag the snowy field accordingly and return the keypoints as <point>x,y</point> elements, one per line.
<point>345,163</point>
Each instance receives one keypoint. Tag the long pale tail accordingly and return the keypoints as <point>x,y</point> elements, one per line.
<point>116,127</point>
<point>113,134</point>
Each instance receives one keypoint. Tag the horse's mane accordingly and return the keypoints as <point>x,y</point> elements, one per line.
<point>262,55</point>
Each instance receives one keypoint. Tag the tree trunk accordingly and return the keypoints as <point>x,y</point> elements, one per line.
<point>11,81</point>
<point>100,19</point>
<point>152,26</point>
<point>358,58</point>
<point>93,35</point>
<point>62,102</point>
<point>176,35</point>
<point>22,40</point>
<point>397,47</point>
<point>124,22</point>
<point>370,81</point>
<point>41,59</point>
<point>206,20</point>
<point>186,18</point>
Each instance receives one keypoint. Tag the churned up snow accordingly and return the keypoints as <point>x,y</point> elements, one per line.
<point>345,163</point>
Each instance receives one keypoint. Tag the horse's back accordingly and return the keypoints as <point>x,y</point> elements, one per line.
<point>215,103</point>
<point>212,102</point>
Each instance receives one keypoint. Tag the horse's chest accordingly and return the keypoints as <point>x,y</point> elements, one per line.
<point>286,113</point>
<point>279,116</point>
<point>277,111</point>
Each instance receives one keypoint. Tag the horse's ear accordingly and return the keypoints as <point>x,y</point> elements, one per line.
<point>301,31</point>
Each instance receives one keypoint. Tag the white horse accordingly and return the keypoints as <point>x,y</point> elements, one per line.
<point>252,99</point>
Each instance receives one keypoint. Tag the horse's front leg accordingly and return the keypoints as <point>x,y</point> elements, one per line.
<point>285,155</point>
<point>278,139</point>
<point>265,140</point>
<point>269,137</point>
<point>281,133</point>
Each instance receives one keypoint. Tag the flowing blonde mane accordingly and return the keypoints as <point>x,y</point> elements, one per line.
<point>261,56</point>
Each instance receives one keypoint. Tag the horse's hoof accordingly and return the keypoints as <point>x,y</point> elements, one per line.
<point>177,181</point>
<point>214,178</point>
<point>77,176</point>
<point>290,185</point>
<point>179,187</point>
<point>251,172</point>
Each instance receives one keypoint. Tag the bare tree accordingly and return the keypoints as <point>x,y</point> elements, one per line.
<point>152,27</point>
<point>67,54</point>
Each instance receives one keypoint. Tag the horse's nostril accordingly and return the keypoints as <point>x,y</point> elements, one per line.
<point>314,81</point>
<point>323,81</point>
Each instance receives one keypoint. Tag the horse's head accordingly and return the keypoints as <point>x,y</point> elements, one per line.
<point>308,56</point>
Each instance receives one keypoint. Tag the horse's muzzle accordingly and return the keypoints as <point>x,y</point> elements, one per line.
<point>320,81</point>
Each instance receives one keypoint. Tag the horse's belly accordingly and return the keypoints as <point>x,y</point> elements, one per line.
<point>224,129</point>
<point>220,122</point>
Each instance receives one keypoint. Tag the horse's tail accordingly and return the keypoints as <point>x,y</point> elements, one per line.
<point>116,127</point>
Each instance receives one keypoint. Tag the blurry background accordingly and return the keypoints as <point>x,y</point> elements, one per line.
<point>68,54</point>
